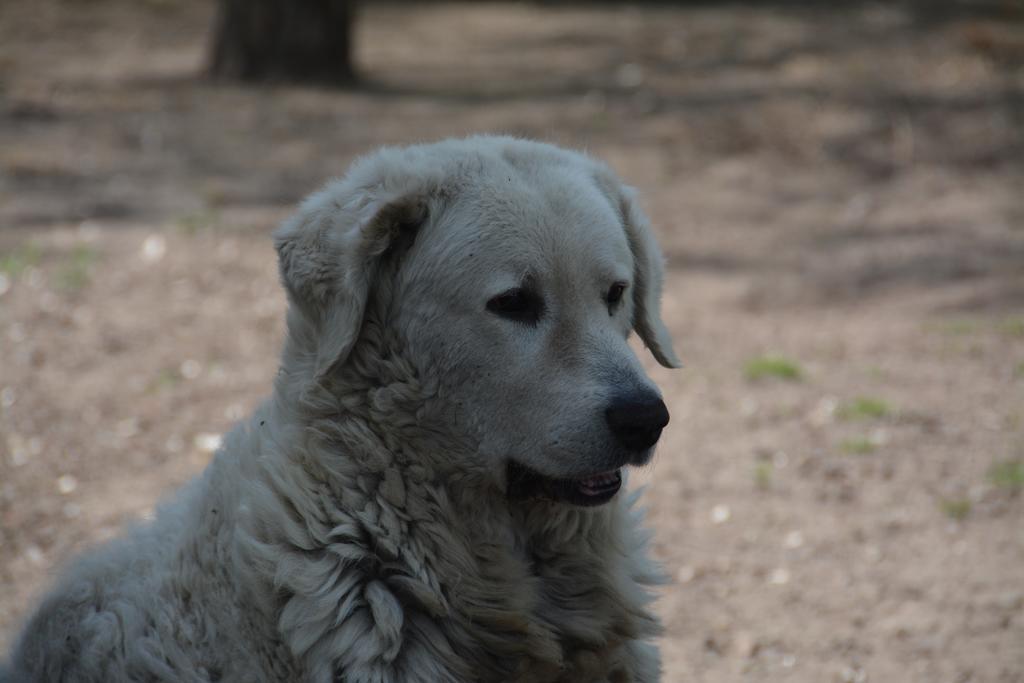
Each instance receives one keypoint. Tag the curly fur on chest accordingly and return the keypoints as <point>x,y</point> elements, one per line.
<point>387,562</point>
<point>403,580</point>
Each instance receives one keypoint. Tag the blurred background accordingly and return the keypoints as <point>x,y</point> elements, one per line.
<point>839,191</point>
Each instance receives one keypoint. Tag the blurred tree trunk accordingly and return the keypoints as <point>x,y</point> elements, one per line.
<point>283,40</point>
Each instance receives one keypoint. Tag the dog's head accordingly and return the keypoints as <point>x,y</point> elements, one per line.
<point>511,273</point>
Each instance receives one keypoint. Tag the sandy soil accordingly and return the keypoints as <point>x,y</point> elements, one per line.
<point>837,191</point>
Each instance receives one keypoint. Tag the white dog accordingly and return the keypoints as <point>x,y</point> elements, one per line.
<point>430,493</point>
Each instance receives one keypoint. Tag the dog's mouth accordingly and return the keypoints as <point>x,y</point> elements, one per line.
<point>595,489</point>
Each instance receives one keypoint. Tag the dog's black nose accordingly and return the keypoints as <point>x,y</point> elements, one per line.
<point>637,421</point>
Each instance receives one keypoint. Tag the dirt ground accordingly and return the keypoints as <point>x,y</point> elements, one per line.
<point>839,195</point>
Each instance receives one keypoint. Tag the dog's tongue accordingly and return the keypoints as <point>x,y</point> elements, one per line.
<point>601,483</point>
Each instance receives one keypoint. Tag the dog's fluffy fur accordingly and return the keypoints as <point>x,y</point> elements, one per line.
<point>357,527</point>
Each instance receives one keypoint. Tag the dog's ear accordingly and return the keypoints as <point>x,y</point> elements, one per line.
<point>329,254</point>
<point>649,272</point>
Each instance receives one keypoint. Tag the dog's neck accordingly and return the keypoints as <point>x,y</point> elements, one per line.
<point>376,401</point>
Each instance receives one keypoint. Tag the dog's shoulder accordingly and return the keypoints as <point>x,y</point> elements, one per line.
<point>152,603</point>
<point>80,628</point>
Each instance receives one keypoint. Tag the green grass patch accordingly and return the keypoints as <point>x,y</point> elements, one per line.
<point>763,472</point>
<point>167,378</point>
<point>864,408</point>
<point>1019,370</point>
<point>860,445</point>
<point>199,221</point>
<point>1012,327</point>
<point>959,327</point>
<point>772,366</point>
<point>20,259</point>
<point>1008,474</point>
<point>74,274</point>
<point>956,508</point>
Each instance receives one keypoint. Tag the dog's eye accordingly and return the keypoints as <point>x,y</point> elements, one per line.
<point>614,296</point>
<point>519,304</point>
